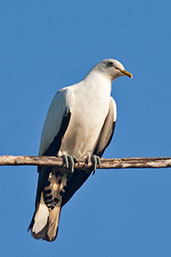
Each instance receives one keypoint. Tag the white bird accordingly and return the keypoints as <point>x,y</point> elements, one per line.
<point>79,124</point>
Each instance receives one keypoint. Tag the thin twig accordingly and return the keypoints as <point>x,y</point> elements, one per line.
<point>117,163</point>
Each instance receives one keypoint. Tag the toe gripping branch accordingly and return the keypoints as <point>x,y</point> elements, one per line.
<point>95,160</point>
<point>69,161</point>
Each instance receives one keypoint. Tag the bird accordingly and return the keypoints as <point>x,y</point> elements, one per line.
<point>79,124</point>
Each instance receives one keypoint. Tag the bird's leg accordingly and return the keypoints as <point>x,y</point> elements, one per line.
<point>95,160</point>
<point>69,161</point>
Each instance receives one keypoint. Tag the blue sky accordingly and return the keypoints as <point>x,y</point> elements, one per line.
<point>46,45</point>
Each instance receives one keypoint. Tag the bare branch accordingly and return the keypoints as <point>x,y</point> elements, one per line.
<point>117,163</point>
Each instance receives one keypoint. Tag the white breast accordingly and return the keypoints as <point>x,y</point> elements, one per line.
<point>90,108</point>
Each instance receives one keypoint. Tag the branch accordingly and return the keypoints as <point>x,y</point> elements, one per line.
<point>117,163</point>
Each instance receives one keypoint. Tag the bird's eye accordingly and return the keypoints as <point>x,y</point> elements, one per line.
<point>110,64</point>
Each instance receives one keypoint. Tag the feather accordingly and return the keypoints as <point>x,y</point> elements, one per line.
<point>46,218</point>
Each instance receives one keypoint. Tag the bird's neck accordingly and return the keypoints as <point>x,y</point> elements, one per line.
<point>98,81</point>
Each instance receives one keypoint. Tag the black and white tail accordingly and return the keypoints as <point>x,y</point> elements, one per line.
<point>51,187</point>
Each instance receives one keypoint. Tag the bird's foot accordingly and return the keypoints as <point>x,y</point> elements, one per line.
<point>95,160</point>
<point>69,161</point>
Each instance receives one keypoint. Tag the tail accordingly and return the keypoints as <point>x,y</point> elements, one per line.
<point>51,187</point>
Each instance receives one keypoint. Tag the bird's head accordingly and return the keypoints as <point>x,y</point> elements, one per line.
<point>112,69</point>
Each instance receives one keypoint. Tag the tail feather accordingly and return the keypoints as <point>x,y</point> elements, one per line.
<point>45,220</point>
<point>40,218</point>
<point>49,230</point>
<point>53,222</point>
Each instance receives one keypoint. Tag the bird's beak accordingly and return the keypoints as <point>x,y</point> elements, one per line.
<point>126,73</point>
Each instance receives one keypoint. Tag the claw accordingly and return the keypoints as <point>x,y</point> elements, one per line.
<point>69,161</point>
<point>98,161</point>
<point>65,160</point>
<point>95,160</point>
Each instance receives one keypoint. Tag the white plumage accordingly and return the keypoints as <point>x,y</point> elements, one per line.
<point>79,123</point>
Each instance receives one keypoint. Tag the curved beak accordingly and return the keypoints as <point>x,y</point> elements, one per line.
<point>126,73</point>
